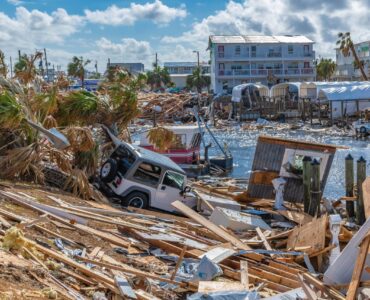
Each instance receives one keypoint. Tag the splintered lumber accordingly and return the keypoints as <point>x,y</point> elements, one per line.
<point>224,235</point>
<point>218,254</point>
<point>359,266</point>
<point>244,274</point>
<point>263,238</point>
<point>366,196</point>
<point>219,286</point>
<point>331,292</point>
<point>130,270</point>
<point>311,234</point>
<point>179,261</point>
<point>297,217</point>
<point>106,236</point>
<point>82,268</point>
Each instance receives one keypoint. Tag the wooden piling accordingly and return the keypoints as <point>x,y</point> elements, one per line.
<point>314,207</point>
<point>361,176</point>
<point>349,173</point>
<point>306,182</point>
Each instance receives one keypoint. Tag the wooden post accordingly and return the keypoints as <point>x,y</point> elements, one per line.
<point>314,207</point>
<point>361,176</point>
<point>306,182</point>
<point>311,113</point>
<point>350,206</point>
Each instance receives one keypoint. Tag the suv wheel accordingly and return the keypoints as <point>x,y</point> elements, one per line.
<point>136,199</point>
<point>108,170</point>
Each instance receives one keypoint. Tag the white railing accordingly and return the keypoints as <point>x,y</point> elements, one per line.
<point>266,72</point>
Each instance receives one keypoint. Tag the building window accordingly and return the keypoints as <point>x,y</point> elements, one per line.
<point>290,49</point>
<point>237,50</point>
<point>236,67</point>
<point>221,66</point>
<point>254,50</point>
<point>306,64</point>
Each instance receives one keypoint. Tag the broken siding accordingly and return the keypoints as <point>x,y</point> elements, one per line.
<point>269,158</point>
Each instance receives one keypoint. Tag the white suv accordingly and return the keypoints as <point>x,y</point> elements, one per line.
<point>142,178</point>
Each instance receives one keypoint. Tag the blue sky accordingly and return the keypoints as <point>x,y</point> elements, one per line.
<point>134,31</point>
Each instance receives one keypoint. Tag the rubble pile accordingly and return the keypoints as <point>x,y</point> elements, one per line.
<point>167,107</point>
<point>56,246</point>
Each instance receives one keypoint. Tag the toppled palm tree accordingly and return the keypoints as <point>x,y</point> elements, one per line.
<point>346,46</point>
<point>25,152</point>
<point>25,69</point>
<point>77,69</point>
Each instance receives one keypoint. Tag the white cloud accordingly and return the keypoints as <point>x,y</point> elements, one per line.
<point>156,11</point>
<point>127,50</point>
<point>319,21</point>
<point>15,2</point>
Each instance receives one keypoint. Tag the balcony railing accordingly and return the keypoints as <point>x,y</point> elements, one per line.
<point>266,72</point>
<point>268,55</point>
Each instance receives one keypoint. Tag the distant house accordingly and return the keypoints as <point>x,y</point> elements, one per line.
<point>179,71</point>
<point>134,68</point>
<point>260,59</point>
<point>345,64</point>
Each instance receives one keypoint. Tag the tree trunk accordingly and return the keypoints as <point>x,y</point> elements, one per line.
<point>83,81</point>
<point>364,77</point>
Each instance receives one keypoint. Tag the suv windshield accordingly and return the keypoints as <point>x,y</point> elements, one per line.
<point>174,180</point>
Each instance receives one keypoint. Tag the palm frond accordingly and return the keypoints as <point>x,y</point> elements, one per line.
<point>11,112</point>
<point>80,138</point>
<point>161,138</point>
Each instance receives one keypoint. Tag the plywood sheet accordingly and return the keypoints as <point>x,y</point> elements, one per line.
<point>311,234</point>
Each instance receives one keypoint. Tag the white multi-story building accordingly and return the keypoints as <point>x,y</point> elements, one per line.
<point>179,71</point>
<point>345,64</point>
<point>260,59</point>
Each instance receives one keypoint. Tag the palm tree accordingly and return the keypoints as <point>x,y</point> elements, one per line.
<point>198,80</point>
<point>325,68</point>
<point>25,69</point>
<point>158,77</point>
<point>346,46</point>
<point>3,67</point>
<point>76,68</point>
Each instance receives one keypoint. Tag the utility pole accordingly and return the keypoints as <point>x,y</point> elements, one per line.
<point>19,55</point>
<point>47,66</point>
<point>96,67</point>
<point>11,67</point>
<point>197,52</point>
<point>156,60</point>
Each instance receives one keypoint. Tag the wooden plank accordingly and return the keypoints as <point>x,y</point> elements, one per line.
<point>142,295</point>
<point>263,238</point>
<point>244,274</point>
<point>359,266</point>
<point>218,254</point>
<point>366,196</point>
<point>311,234</point>
<point>224,236</point>
<point>297,217</point>
<point>219,286</point>
<point>179,261</point>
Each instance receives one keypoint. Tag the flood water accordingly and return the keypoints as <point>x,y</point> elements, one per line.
<point>242,144</point>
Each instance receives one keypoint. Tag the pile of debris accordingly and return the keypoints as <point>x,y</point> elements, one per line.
<point>166,107</point>
<point>56,246</point>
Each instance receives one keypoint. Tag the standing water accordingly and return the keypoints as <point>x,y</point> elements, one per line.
<point>242,145</point>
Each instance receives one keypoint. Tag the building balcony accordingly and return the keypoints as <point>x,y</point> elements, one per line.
<point>267,72</point>
<point>220,57</point>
